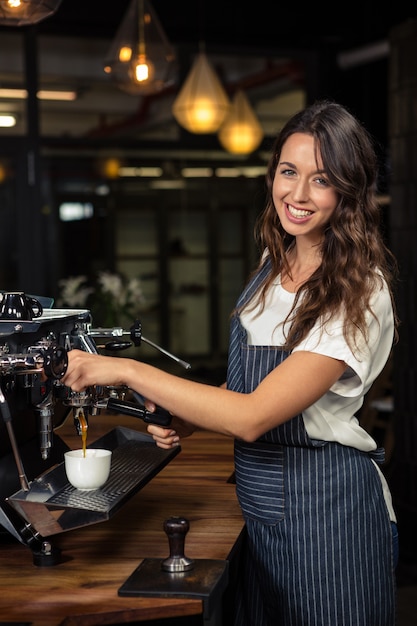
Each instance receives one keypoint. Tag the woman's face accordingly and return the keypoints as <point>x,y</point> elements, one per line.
<point>302,195</point>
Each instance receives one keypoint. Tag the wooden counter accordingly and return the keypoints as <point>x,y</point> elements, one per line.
<point>82,590</point>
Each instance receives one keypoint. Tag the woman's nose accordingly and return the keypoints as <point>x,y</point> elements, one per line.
<point>300,191</point>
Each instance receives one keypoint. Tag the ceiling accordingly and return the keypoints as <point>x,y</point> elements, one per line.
<point>257,47</point>
<point>260,25</point>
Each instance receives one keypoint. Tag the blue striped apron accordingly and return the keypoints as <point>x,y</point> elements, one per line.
<point>318,547</point>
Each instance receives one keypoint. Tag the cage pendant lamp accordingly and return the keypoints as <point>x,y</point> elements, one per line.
<point>202,103</point>
<point>141,59</point>
<point>25,12</point>
<point>241,132</point>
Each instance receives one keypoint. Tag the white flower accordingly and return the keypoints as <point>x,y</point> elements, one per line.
<point>112,300</point>
<point>134,291</point>
<point>73,294</point>
<point>111,284</point>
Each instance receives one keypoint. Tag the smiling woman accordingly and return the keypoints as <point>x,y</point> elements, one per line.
<point>300,363</point>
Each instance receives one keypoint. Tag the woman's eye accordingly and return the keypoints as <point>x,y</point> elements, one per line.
<point>288,172</point>
<point>322,181</point>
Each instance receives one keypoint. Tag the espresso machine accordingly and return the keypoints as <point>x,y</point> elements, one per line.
<point>36,500</point>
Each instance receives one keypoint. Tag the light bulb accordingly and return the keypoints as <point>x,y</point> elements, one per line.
<point>142,70</point>
<point>203,112</point>
<point>24,12</point>
<point>125,54</point>
<point>7,120</point>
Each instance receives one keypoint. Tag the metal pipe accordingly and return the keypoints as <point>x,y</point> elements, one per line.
<point>7,418</point>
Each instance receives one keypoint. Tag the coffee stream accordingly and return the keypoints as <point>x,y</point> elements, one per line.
<point>84,427</point>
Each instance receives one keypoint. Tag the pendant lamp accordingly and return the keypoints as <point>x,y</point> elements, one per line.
<point>25,12</point>
<point>141,60</point>
<point>202,103</point>
<point>241,132</point>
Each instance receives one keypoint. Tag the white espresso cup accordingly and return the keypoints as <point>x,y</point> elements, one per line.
<point>90,471</point>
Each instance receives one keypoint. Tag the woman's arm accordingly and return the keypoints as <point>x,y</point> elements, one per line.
<point>295,384</point>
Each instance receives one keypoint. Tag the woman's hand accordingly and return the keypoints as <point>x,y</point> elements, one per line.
<point>86,370</point>
<point>169,437</point>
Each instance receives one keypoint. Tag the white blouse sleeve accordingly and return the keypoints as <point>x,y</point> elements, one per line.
<point>365,363</point>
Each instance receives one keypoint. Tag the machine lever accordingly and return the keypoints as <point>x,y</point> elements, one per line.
<point>117,345</point>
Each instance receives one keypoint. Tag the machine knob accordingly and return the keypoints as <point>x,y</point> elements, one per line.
<point>176,528</point>
<point>136,333</point>
<point>55,362</point>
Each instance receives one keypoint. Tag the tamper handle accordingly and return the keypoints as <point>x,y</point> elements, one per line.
<point>176,528</point>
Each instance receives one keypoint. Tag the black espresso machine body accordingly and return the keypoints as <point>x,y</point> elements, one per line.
<point>35,403</point>
<point>36,500</point>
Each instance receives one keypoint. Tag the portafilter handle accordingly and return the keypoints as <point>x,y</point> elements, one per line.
<point>160,416</point>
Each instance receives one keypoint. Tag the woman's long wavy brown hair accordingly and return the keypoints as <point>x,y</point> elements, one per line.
<point>354,254</point>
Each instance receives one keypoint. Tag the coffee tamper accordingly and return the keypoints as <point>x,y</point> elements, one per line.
<point>178,576</point>
<point>176,528</point>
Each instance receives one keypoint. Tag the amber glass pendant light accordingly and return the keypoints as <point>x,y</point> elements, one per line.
<point>202,103</point>
<point>241,132</point>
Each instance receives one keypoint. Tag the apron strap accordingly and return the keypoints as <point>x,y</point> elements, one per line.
<point>378,455</point>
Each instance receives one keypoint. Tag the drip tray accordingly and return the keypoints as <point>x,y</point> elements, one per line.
<point>52,505</point>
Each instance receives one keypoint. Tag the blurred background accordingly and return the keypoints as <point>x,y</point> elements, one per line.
<point>98,175</point>
<point>106,176</point>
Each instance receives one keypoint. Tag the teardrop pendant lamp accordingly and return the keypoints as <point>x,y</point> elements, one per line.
<point>141,60</point>
<point>202,103</point>
<point>25,12</point>
<point>241,132</point>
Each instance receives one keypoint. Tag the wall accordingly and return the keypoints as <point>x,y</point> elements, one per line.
<point>402,98</point>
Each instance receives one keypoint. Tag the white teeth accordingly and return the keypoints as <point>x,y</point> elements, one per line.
<point>298,212</point>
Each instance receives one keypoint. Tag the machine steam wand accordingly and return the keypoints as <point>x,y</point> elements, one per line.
<point>7,418</point>
<point>136,337</point>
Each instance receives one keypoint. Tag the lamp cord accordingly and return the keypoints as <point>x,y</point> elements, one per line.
<point>141,28</point>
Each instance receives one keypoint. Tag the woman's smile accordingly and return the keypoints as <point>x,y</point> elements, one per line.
<point>298,214</point>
